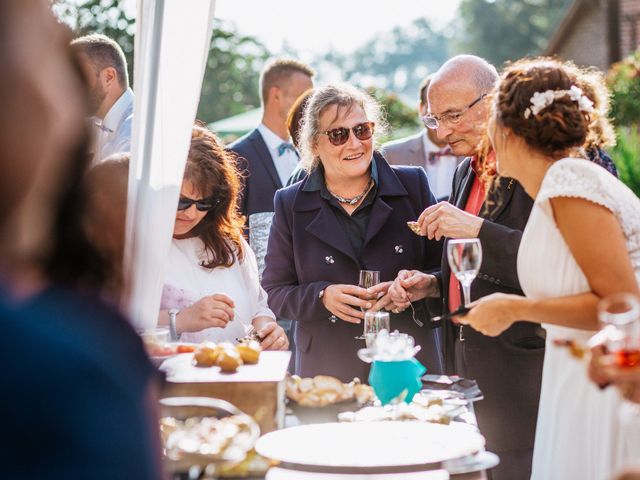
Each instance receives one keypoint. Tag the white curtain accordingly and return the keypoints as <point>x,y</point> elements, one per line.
<point>171,48</point>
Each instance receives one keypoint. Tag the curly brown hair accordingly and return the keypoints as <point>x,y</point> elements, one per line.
<point>214,173</point>
<point>558,127</point>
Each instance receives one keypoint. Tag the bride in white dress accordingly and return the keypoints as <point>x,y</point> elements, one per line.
<point>582,243</point>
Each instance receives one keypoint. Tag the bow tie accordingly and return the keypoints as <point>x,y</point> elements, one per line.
<point>284,146</point>
<point>434,156</point>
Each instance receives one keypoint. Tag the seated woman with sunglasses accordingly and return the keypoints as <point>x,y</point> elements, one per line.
<point>212,290</point>
<point>349,214</point>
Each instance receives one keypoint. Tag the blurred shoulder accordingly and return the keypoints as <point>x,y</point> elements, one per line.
<point>242,142</point>
<point>402,144</point>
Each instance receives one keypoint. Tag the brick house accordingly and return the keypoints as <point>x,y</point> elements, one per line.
<point>597,32</point>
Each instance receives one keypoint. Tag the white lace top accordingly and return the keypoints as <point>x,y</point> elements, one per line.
<point>576,177</point>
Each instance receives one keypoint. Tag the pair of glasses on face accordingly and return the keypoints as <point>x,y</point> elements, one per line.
<point>203,205</point>
<point>339,136</point>
<point>450,118</point>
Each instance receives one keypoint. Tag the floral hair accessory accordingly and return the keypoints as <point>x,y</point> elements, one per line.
<point>541,100</point>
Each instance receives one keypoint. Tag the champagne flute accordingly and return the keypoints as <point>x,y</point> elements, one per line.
<point>465,258</point>
<point>367,279</point>
<point>374,323</point>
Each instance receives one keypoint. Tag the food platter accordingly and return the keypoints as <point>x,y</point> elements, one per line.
<point>372,447</point>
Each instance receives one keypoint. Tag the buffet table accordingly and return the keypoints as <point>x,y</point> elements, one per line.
<point>259,391</point>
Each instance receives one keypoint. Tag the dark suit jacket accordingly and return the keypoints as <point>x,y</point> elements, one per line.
<point>308,251</point>
<point>261,178</point>
<point>508,368</point>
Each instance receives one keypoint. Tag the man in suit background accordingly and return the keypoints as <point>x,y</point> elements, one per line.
<point>425,149</point>
<point>508,368</point>
<point>266,155</point>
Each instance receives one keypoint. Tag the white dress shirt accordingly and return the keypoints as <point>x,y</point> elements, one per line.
<point>113,133</point>
<point>186,282</point>
<point>440,173</point>
<point>285,163</point>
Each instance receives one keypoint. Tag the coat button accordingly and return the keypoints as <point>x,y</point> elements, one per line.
<point>398,249</point>
<point>333,319</point>
<point>329,260</point>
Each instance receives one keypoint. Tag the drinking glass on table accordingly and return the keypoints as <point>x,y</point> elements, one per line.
<point>465,258</point>
<point>619,316</point>
<point>367,279</point>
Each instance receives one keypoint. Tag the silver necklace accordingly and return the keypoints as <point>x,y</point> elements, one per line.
<point>354,200</point>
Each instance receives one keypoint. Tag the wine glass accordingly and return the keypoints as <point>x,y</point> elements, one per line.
<point>465,258</point>
<point>367,279</point>
<point>619,316</point>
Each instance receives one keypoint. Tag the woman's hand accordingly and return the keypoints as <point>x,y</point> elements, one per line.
<point>211,311</point>
<point>273,335</point>
<point>410,286</point>
<point>493,314</point>
<point>603,371</point>
<point>340,300</point>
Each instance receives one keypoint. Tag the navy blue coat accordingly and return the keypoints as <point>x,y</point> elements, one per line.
<point>308,251</point>
<point>261,178</point>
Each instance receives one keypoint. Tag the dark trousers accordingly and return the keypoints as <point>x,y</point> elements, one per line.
<point>514,465</point>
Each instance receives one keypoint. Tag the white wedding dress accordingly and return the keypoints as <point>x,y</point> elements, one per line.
<point>580,433</point>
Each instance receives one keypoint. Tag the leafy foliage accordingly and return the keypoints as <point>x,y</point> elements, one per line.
<point>230,83</point>
<point>624,81</point>
<point>397,60</point>
<point>626,156</point>
<point>401,118</point>
<point>501,30</point>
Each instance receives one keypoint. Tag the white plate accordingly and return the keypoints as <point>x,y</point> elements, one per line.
<point>370,445</point>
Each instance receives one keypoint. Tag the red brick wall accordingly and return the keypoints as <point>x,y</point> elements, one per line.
<point>586,41</point>
<point>629,13</point>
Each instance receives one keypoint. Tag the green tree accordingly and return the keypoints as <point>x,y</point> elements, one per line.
<point>397,60</point>
<point>230,83</point>
<point>501,30</point>
<point>623,79</point>
<point>402,119</point>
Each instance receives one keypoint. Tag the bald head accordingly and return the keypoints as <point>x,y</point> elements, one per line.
<point>467,69</point>
<point>457,99</point>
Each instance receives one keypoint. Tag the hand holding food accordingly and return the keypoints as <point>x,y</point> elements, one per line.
<point>211,311</point>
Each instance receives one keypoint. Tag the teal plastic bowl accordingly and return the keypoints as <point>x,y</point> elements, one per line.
<point>391,380</point>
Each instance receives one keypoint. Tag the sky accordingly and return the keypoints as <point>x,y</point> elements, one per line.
<point>311,27</point>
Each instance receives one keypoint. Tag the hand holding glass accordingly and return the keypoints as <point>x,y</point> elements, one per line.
<point>465,258</point>
<point>619,316</point>
<point>367,279</point>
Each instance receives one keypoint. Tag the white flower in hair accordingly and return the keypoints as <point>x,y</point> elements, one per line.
<point>541,100</point>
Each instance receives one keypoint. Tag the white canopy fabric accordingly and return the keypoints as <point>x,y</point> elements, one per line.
<point>171,48</point>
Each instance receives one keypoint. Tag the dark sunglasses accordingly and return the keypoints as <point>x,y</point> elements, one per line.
<point>203,205</point>
<point>339,136</point>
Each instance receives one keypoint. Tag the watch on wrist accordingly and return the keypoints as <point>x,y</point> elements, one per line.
<point>173,331</point>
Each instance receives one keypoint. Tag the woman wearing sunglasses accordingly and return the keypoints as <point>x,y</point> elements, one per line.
<point>212,290</point>
<point>349,214</point>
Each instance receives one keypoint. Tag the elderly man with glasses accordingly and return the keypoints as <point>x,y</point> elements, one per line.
<point>508,368</point>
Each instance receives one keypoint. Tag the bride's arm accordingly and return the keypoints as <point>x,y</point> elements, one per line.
<point>595,238</point>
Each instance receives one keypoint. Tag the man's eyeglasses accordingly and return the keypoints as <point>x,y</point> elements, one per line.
<point>203,205</point>
<point>339,136</point>
<point>451,118</point>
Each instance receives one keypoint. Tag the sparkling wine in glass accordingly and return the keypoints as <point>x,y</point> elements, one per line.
<point>619,316</point>
<point>465,258</point>
<point>374,323</point>
<point>367,279</point>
